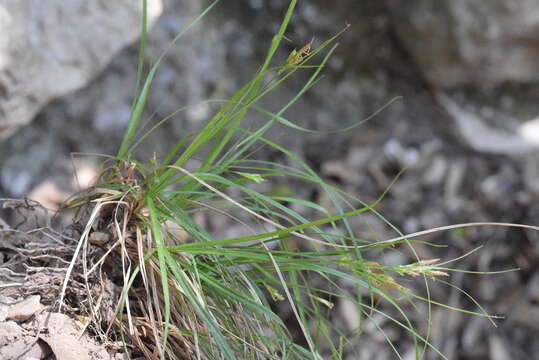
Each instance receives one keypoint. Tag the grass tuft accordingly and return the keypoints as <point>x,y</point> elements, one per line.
<point>188,295</point>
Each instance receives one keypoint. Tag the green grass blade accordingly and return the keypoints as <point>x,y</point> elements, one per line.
<point>140,103</point>
<point>136,115</point>
<point>163,266</point>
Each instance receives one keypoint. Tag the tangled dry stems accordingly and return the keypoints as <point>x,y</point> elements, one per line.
<point>92,268</point>
<point>114,248</point>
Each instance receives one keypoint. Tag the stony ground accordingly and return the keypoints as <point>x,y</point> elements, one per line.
<point>445,183</point>
<point>465,158</point>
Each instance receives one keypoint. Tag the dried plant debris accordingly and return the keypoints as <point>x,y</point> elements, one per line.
<point>49,336</point>
<point>62,290</point>
<point>33,267</point>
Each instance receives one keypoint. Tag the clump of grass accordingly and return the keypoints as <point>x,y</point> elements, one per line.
<point>188,295</point>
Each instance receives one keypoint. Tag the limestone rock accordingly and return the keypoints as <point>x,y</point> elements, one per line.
<point>51,48</point>
<point>463,42</point>
<point>25,309</point>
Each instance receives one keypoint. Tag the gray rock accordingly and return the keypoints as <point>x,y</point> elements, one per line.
<point>435,172</point>
<point>457,42</point>
<point>405,157</point>
<point>25,309</point>
<point>498,348</point>
<point>51,48</point>
<point>492,139</point>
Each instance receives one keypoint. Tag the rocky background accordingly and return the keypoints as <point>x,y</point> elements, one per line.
<point>466,125</point>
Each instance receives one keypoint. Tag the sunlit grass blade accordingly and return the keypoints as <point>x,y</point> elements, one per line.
<point>139,104</point>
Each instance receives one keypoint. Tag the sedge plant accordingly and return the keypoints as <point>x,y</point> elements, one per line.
<point>189,295</point>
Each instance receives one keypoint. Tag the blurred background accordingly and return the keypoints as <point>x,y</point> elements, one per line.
<point>465,126</point>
